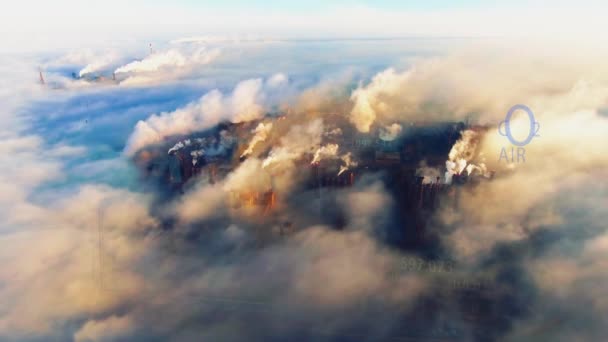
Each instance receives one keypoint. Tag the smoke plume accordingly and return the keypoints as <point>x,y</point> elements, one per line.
<point>170,59</point>
<point>247,102</point>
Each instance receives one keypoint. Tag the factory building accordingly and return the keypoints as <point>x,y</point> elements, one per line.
<point>212,155</point>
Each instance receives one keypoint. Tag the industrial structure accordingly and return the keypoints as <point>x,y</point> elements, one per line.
<point>213,154</point>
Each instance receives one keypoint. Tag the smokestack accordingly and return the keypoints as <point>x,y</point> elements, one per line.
<point>113,76</point>
<point>421,199</point>
<point>318,176</point>
<point>41,78</point>
<point>212,173</point>
<point>419,184</point>
<point>269,199</point>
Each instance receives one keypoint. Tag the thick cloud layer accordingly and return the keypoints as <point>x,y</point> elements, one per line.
<point>89,257</point>
<point>480,85</point>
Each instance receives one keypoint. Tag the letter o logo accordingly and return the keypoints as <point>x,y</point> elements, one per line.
<point>534,126</point>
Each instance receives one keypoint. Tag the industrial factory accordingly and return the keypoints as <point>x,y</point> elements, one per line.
<point>419,166</point>
<point>412,161</point>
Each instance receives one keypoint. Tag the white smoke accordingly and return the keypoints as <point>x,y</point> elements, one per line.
<point>249,176</point>
<point>170,59</point>
<point>446,89</point>
<point>277,80</point>
<point>98,63</point>
<point>197,154</point>
<point>390,133</point>
<point>92,60</point>
<point>260,134</point>
<point>299,140</point>
<point>461,154</point>
<point>430,174</point>
<point>210,147</point>
<point>330,151</point>
<point>334,132</point>
<point>481,169</point>
<point>179,145</point>
<point>369,100</point>
<point>113,327</point>
<point>324,152</point>
<point>221,147</point>
<point>348,163</point>
<point>247,102</point>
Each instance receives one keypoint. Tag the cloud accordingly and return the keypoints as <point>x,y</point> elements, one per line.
<point>202,202</point>
<point>261,133</point>
<point>368,208</point>
<point>537,203</point>
<point>99,63</point>
<point>539,216</point>
<point>59,245</point>
<point>89,261</point>
<point>247,102</point>
<point>481,86</point>
<point>108,329</point>
<point>569,273</point>
<point>170,59</point>
<point>551,165</point>
<point>390,132</point>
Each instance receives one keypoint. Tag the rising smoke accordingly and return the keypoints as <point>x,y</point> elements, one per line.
<point>246,102</point>
<point>170,59</point>
<point>322,265</point>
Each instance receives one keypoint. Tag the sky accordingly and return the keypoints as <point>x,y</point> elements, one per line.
<point>34,25</point>
<point>410,5</point>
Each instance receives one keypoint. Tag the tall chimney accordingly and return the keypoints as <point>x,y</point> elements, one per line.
<point>41,78</point>
<point>420,187</point>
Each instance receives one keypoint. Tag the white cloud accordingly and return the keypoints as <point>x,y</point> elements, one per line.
<point>170,60</point>
<point>109,329</point>
<point>247,102</point>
